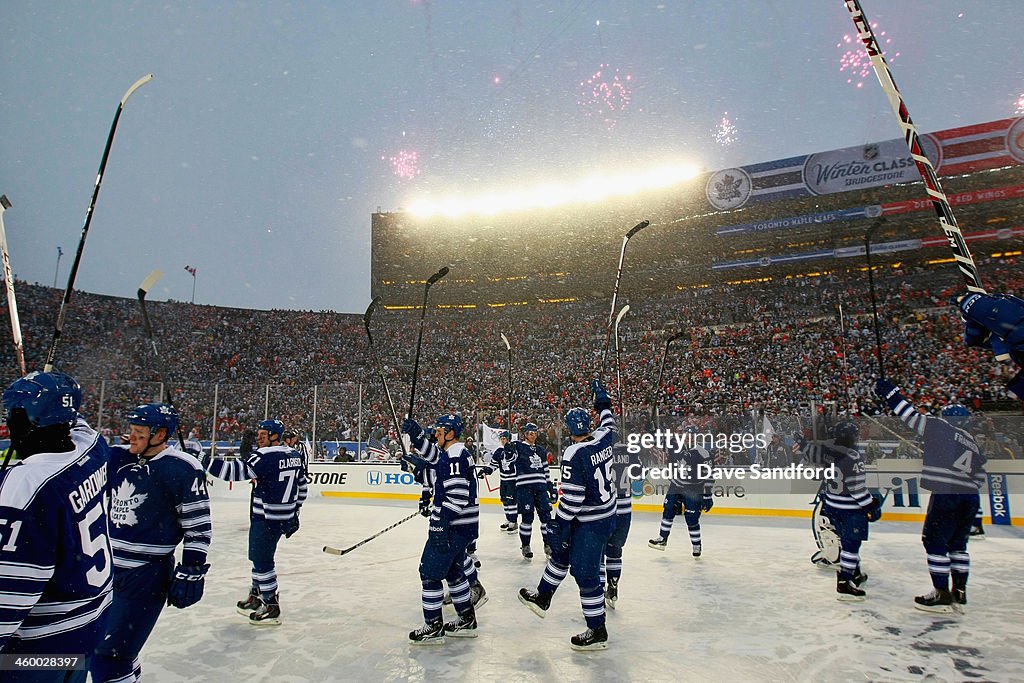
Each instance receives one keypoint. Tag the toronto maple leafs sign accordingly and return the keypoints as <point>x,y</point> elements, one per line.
<point>728,189</point>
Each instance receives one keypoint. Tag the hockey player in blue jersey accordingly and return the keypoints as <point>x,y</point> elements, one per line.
<point>953,470</point>
<point>624,465</point>
<point>996,321</point>
<point>454,524</point>
<point>504,459</point>
<point>584,522</point>
<point>848,503</point>
<point>689,492</point>
<point>533,484</point>
<point>158,500</point>
<point>55,557</point>
<point>278,494</point>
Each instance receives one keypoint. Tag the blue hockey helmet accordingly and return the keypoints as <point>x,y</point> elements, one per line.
<point>845,431</point>
<point>529,427</point>
<point>505,435</point>
<point>272,427</point>
<point>450,421</point>
<point>577,420</point>
<point>692,429</point>
<point>956,410</point>
<point>48,398</point>
<point>154,416</point>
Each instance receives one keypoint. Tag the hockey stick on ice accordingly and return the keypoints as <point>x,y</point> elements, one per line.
<point>618,366</point>
<point>656,398</point>
<point>508,347</point>
<point>143,290</point>
<point>615,291</point>
<point>12,301</point>
<point>58,329</point>
<point>419,340</point>
<point>957,243</point>
<point>380,373</point>
<point>331,550</point>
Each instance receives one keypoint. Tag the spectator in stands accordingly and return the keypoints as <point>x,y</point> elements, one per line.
<point>343,455</point>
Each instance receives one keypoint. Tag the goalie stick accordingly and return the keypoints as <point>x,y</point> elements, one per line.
<point>58,329</point>
<point>12,301</point>
<point>143,290</point>
<point>419,339</point>
<point>331,550</point>
<point>957,243</point>
<point>615,291</point>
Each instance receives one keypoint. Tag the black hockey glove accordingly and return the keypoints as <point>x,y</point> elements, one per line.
<point>292,526</point>
<point>601,399</point>
<point>187,585</point>
<point>413,429</point>
<point>706,502</point>
<point>875,509</point>
<point>425,504</point>
<point>483,471</point>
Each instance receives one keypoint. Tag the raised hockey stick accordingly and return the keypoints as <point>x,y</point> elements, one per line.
<point>419,339</point>
<point>656,397</point>
<point>508,347</point>
<point>618,366</point>
<point>871,292</point>
<point>143,290</point>
<point>58,329</point>
<point>331,550</point>
<point>12,301</point>
<point>380,373</point>
<point>615,290</point>
<point>957,243</point>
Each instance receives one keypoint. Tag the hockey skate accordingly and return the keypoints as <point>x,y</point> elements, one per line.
<point>513,528</point>
<point>477,595</point>
<point>428,634</point>
<point>938,602</point>
<point>464,626</point>
<point>658,543</point>
<point>527,553</point>
<point>537,603</point>
<point>696,549</point>
<point>249,605</point>
<point>504,526</point>
<point>268,614</point>
<point>591,639</point>
<point>847,591</point>
<point>977,533</point>
<point>611,592</point>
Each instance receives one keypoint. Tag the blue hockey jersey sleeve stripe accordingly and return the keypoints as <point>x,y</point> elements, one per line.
<point>20,570</point>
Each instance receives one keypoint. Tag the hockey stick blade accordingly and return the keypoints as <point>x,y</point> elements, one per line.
<point>505,339</point>
<point>623,312</point>
<point>369,313</point>
<point>331,550</point>
<point>637,228</point>
<point>437,276</point>
<point>148,283</point>
<point>5,202</point>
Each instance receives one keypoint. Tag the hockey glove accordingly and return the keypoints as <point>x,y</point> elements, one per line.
<point>292,526</point>
<point>552,493</point>
<point>884,389</point>
<point>706,502</point>
<point>875,509</point>
<point>187,585</point>
<point>601,399</point>
<point>482,472</point>
<point>413,429</point>
<point>425,504</point>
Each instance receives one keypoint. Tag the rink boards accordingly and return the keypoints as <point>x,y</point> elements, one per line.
<point>897,480</point>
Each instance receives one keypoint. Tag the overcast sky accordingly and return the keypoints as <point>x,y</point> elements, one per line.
<point>272,130</point>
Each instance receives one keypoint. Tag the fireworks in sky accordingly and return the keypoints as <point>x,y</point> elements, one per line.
<point>404,164</point>
<point>854,61</point>
<point>1019,105</point>
<point>605,94</point>
<point>725,132</point>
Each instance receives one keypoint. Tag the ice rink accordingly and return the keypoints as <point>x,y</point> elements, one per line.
<point>752,608</point>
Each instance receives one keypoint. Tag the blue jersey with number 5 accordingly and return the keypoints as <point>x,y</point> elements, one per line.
<point>55,559</point>
<point>589,487</point>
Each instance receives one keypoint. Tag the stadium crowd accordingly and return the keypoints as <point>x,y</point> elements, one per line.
<point>768,346</point>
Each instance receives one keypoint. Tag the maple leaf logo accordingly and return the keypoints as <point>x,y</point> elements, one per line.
<point>124,503</point>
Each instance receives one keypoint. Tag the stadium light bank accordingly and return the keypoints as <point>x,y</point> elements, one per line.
<point>594,188</point>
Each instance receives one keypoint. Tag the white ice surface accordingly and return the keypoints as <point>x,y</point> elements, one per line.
<point>752,608</point>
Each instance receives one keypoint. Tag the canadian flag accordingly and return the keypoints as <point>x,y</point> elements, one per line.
<point>191,270</point>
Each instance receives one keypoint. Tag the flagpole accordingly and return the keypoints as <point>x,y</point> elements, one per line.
<point>60,252</point>
<point>193,286</point>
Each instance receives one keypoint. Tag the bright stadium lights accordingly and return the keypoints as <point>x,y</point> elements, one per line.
<point>593,188</point>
